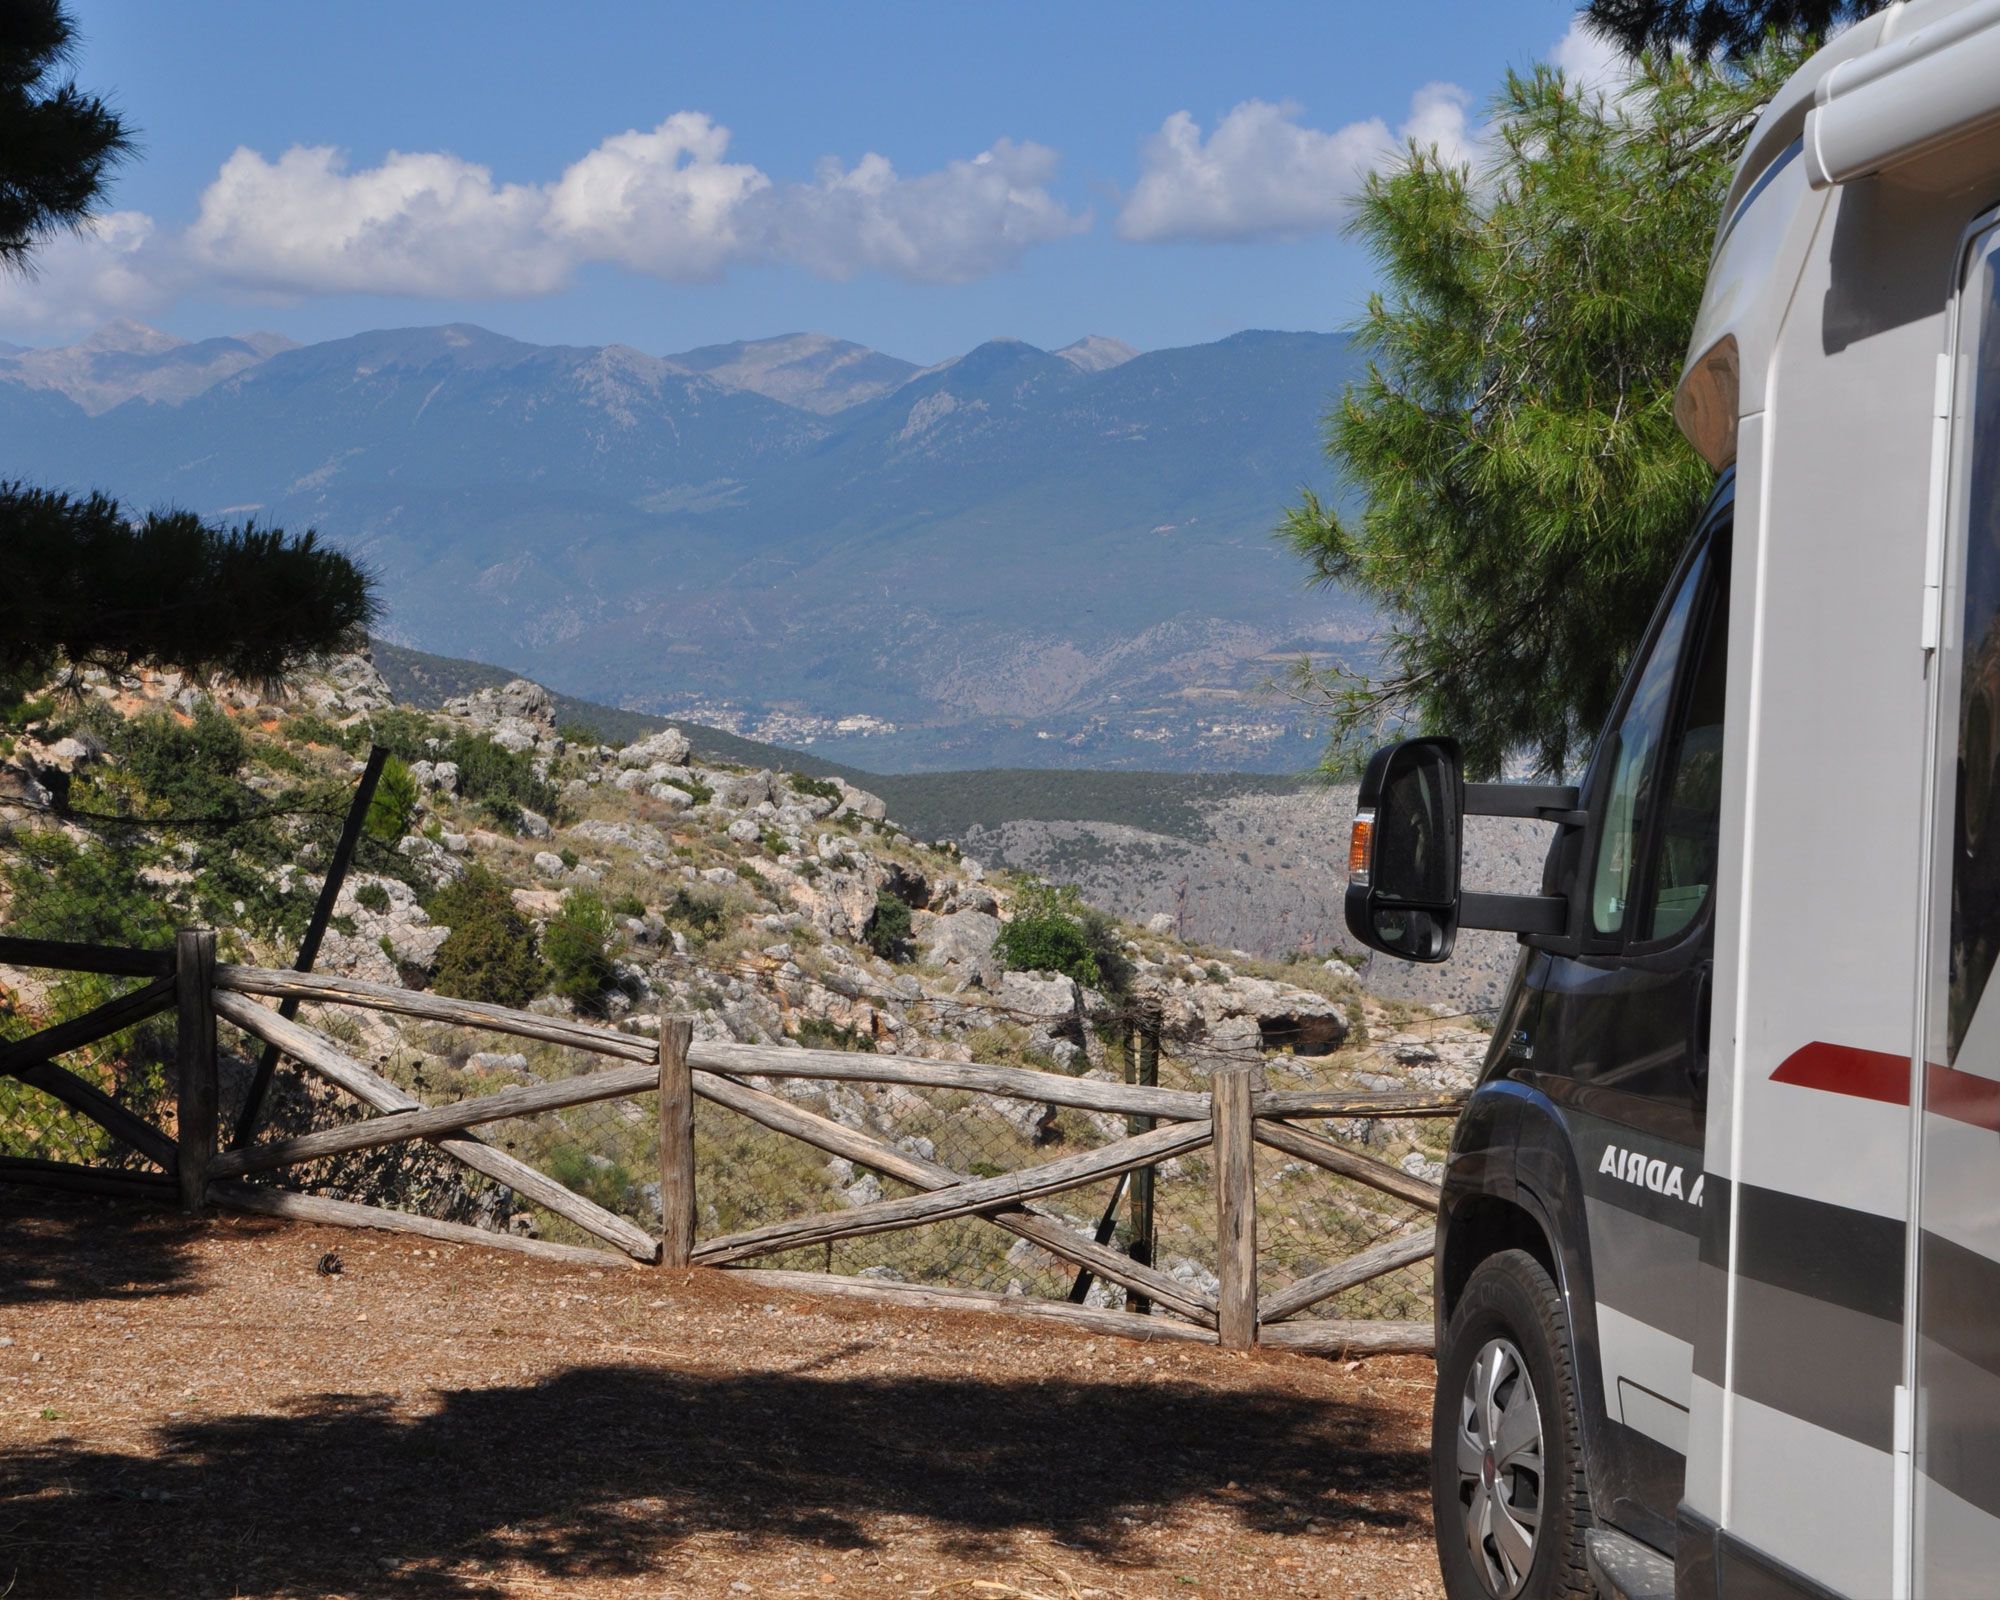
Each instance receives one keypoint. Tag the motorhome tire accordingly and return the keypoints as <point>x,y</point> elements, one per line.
<point>1507,1485</point>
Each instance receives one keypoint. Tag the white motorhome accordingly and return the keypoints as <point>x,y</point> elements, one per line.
<point>1719,1253</point>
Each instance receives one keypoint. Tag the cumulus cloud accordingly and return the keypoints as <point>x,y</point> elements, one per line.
<point>1590,61</point>
<point>418,224</point>
<point>1263,175</point>
<point>964,221</point>
<point>667,202</point>
<point>112,267</point>
<point>664,202</point>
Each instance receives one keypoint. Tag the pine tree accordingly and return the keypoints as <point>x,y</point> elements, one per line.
<point>1522,488</point>
<point>1735,28</point>
<point>77,580</point>
<point>57,144</point>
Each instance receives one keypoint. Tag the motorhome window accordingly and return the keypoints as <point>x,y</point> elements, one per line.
<point>1975,901</point>
<point>1634,756</point>
<point>1690,822</point>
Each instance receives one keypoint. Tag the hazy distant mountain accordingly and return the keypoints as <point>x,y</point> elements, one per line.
<point>128,360</point>
<point>808,370</point>
<point>1096,353</point>
<point>1013,557</point>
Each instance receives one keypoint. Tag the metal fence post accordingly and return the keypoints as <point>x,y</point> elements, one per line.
<point>194,994</point>
<point>1235,1207</point>
<point>1148,1067</point>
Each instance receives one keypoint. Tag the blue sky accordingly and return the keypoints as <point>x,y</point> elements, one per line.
<point>918,178</point>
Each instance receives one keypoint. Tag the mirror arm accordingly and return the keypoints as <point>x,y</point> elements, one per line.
<point>1536,802</point>
<point>1514,913</point>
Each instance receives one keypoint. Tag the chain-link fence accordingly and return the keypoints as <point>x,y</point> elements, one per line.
<point>133,1068</point>
<point>606,1150</point>
<point>1309,1219</point>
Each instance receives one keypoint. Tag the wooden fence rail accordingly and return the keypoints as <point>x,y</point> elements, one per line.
<point>1233,1116</point>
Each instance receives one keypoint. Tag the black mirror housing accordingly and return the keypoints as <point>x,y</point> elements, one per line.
<point>1405,856</point>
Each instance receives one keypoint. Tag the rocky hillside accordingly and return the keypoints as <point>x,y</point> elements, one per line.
<point>626,882</point>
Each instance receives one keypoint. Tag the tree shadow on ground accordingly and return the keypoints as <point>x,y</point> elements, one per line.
<point>71,1248</point>
<point>607,1471</point>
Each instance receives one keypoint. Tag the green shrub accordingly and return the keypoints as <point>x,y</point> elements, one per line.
<point>90,892</point>
<point>1049,933</point>
<point>888,932</point>
<point>698,915</point>
<point>393,807</point>
<point>628,905</point>
<point>701,793</point>
<point>816,1033</point>
<point>490,952</point>
<point>578,733</point>
<point>577,947</point>
<point>568,858</point>
<point>184,769</point>
<point>503,780</point>
<point>595,1177</point>
<point>309,727</point>
<point>409,734</point>
<point>372,897</point>
<point>818,788</point>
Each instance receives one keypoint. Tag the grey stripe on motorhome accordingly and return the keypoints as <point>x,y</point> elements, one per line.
<point>1821,1362</point>
<point>1958,1289</point>
<point>1640,1267</point>
<point>1958,1434</point>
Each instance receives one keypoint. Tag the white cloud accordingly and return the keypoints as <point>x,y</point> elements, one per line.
<point>422,224</point>
<point>1262,175</point>
<point>1590,61</point>
<point>667,203</point>
<point>964,221</point>
<point>664,203</point>
<point>110,268</point>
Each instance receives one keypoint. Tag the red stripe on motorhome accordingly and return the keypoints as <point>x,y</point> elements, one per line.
<point>1877,1075</point>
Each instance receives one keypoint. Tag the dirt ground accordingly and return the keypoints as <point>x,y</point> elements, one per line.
<point>191,1408</point>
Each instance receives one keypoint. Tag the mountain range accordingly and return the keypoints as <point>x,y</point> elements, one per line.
<point>1018,556</point>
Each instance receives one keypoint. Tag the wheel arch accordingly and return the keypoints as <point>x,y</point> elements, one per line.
<point>1515,1184</point>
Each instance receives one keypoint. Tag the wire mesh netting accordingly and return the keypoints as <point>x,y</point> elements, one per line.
<point>1308,1219</point>
<point>133,1068</point>
<point>606,1151</point>
<point>748,1176</point>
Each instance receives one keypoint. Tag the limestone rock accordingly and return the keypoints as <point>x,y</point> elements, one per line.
<point>669,747</point>
<point>961,942</point>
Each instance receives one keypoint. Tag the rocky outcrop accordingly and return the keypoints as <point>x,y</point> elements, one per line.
<point>518,716</point>
<point>960,944</point>
<point>345,688</point>
<point>669,747</point>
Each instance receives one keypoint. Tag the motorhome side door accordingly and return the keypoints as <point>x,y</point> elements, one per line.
<point>1622,1034</point>
<point>1955,1522</point>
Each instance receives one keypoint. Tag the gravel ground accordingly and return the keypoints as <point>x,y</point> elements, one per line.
<point>193,1408</point>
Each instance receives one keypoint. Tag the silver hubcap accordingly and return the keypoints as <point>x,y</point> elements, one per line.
<point>1500,1467</point>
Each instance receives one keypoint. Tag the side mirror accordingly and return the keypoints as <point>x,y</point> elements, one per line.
<point>1403,856</point>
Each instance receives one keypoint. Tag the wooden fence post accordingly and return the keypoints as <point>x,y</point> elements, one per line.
<point>676,1143</point>
<point>1235,1208</point>
<point>194,990</point>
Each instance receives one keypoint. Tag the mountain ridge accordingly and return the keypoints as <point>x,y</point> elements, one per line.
<point>1011,558</point>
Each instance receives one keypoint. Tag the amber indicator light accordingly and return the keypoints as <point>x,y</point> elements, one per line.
<point>1361,847</point>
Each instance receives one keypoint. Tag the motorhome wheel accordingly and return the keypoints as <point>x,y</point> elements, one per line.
<point>1507,1484</point>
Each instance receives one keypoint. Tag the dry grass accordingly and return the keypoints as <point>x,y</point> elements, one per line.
<point>189,1408</point>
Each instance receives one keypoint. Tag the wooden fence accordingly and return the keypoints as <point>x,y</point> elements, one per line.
<point>1230,1119</point>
